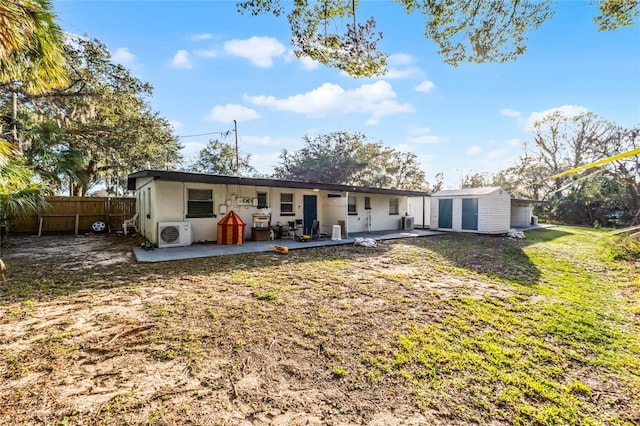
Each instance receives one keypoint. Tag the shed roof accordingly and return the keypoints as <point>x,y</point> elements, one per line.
<point>238,180</point>
<point>467,192</point>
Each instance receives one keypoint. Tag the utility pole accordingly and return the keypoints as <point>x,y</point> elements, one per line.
<point>235,130</point>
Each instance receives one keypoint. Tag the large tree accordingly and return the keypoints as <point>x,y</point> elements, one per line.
<point>99,126</point>
<point>562,143</point>
<point>347,158</point>
<point>625,171</point>
<point>220,158</point>
<point>333,33</point>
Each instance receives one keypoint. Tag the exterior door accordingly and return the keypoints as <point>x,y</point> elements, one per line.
<point>310,212</point>
<point>445,213</point>
<point>470,214</point>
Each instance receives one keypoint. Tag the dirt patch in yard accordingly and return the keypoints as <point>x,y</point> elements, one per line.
<point>90,336</point>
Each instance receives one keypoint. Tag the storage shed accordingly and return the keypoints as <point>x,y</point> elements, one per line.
<point>478,210</point>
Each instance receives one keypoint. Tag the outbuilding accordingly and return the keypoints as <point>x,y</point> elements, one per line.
<point>478,210</point>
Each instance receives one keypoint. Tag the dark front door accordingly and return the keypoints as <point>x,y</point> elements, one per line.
<point>310,211</point>
<point>445,213</point>
<point>470,214</point>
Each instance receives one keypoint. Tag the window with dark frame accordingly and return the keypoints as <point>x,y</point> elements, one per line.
<point>200,203</point>
<point>393,206</point>
<point>352,208</point>
<point>286,205</point>
<point>367,203</point>
<point>262,200</point>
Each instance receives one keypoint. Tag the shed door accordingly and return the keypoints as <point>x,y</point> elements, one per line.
<point>445,213</point>
<point>470,214</point>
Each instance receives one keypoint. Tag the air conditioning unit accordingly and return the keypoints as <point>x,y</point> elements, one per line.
<point>407,222</point>
<point>174,234</point>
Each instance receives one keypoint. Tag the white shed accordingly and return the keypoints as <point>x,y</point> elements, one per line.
<point>479,210</point>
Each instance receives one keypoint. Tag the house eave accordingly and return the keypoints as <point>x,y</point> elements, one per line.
<point>175,176</point>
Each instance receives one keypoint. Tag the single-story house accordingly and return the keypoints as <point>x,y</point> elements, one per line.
<point>196,202</point>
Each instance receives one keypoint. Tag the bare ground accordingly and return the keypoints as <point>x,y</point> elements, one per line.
<point>89,336</point>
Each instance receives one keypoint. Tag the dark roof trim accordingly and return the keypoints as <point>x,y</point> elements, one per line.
<point>529,200</point>
<point>235,180</point>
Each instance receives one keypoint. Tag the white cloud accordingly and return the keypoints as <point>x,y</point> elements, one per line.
<point>508,112</point>
<point>513,143</point>
<point>474,150</point>
<point>398,67</point>
<point>264,163</point>
<point>230,112</point>
<point>201,37</point>
<point>425,86</point>
<point>496,154</point>
<point>566,110</point>
<point>423,136</point>
<point>376,99</point>
<point>401,59</point>
<point>206,53</point>
<point>395,73</point>
<point>308,63</point>
<point>259,50</point>
<point>191,149</point>
<point>175,125</point>
<point>123,56</point>
<point>181,60</point>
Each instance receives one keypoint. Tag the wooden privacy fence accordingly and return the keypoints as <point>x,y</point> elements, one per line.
<point>76,214</point>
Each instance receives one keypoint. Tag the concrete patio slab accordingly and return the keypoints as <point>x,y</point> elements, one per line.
<point>210,250</point>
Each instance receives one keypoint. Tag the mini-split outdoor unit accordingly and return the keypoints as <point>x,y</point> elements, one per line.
<point>407,222</point>
<point>174,234</point>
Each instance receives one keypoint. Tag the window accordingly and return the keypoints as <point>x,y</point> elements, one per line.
<point>367,203</point>
<point>352,208</point>
<point>262,200</point>
<point>393,206</point>
<point>200,203</point>
<point>286,205</point>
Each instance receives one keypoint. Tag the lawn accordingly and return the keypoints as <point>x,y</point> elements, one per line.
<point>451,329</point>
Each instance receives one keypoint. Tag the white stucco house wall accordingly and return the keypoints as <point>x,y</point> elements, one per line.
<point>202,200</point>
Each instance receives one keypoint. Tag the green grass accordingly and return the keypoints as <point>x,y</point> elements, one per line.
<point>516,357</point>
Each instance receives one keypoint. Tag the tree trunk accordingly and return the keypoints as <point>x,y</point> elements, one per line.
<point>14,118</point>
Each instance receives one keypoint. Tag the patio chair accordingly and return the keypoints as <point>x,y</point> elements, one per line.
<point>130,222</point>
<point>288,231</point>
<point>299,228</point>
<point>315,229</point>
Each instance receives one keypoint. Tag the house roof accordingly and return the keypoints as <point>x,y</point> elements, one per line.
<point>236,180</point>
<point>466,192</point>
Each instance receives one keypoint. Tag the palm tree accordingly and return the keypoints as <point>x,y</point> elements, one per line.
<point>32,50</point>
<point>20,191</point>
<point>31,45</point>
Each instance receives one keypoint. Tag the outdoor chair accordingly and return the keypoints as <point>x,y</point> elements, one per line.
<point>130,222</point>
<point>288,231</point>
<point>315,229</point>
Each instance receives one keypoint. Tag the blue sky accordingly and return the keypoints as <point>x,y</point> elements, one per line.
<point>210,65</point>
